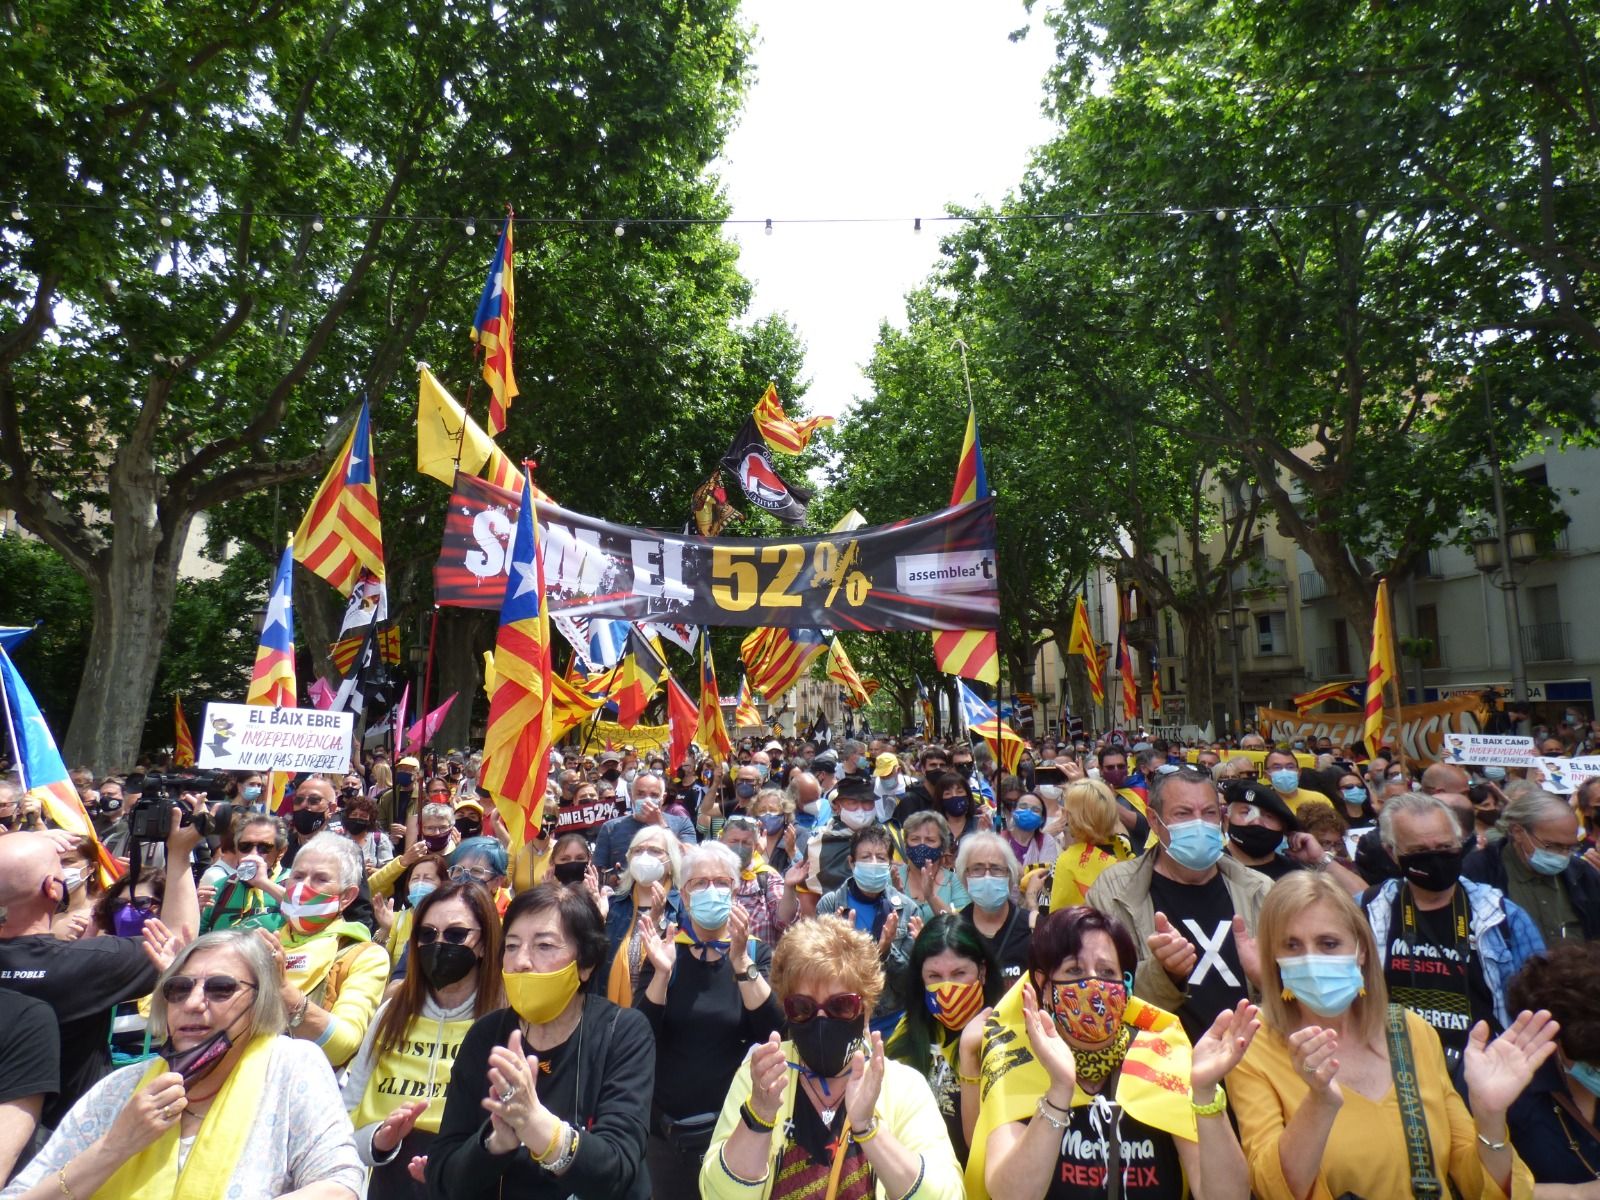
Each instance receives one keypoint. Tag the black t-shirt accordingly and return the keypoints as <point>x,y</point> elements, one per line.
<point>1433,972</point>
<point>30,1048</point>
<point>80,981</point>
<point>1150,1166</point>
<point>1009,945</point>
<point>1203,914</point>
<point>1277,867</point>
<point>1547,1133</point>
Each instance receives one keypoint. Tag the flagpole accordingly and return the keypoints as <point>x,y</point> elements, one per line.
<point>427,678</point>
<point>20,761</point>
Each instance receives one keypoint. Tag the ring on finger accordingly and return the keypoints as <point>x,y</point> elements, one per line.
<point>507,1096</point>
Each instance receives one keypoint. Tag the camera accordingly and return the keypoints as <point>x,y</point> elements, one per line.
<point>150,819</point>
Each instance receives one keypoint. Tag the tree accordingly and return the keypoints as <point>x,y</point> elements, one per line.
<point>188,310</point>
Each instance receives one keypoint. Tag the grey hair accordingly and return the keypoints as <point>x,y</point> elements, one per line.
<point>717,854</point>
<point>1410,802</point>
<point>987,841</point>
<point>649,834</point>
<point>1528,808</point>
<point>342,850</point>
<point>1189,775</point>
<point>772,793</point>
<point>437,810</point>
<point>927,816</point>
<point>657,776</point>
<point>267,1014</point>
<point>1230,768</point>
<point>850,746</point>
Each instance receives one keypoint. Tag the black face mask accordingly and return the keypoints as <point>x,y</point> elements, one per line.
<point>611,774</point>
<point>468,829</point>
<point>1431,870</point>
<point>1257,841</point>
<point>307,822</point>
<point>402,779</point>
<point>825,1044</point>
<point>357,825</point>
<point>436,842</point>
<point>569,872</point>
<point>443,964</point>
<point>957,806</point>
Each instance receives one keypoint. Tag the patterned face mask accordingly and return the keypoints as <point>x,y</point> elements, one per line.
<point>1090,1010</point>
<point>954,1004</point>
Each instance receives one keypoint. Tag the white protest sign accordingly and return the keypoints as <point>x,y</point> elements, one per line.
<point>259,737</point>
<point>1566,775</point>
<point>1489,750</point>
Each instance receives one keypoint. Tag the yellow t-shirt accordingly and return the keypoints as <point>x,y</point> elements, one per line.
<point>1366,1149</point>
<point>417,1069</point>
<point>1078,866</point>
<point>1305,796</point>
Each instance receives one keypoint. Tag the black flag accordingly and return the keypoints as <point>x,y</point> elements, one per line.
<point>749,460</point>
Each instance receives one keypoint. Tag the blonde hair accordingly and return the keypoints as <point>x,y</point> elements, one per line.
<point>1289,897</point>
<point>1091,808</point>
<point>827,948</point>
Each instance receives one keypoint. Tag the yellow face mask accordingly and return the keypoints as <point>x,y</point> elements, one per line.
<point>539,996</point>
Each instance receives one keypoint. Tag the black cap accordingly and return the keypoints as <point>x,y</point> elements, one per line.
<point>1264,797</point>
<point>853,787</point>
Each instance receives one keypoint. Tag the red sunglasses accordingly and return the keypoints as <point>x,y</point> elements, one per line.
<point>846,1006</point>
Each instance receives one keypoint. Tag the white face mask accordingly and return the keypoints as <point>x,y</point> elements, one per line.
<point>811,809</point>
<point>857,818</point>
<point>75,878</point>
<point>646,868</point>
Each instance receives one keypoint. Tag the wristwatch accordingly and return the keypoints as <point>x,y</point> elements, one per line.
<point>749,974</point>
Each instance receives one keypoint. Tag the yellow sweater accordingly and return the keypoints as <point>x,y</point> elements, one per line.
<point>905,1106</point>
<point>1366,1150</point>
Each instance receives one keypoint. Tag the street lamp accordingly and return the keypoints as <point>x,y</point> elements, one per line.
<point>1229,625</point>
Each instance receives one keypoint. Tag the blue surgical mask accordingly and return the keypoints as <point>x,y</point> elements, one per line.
<point>1028,820</point>
<point>1548,862</point>
<point>1327,984</point>
<point>1587,1074</point>
<point>744,790</point>
<point>1195,844</point>
<point>418,892</point>
<point>710,907</point>
<point>771,822</point>
<point>251,792</point>
<point>989,891</point>
<point>1355,795</point>
<point>872,878</point>
<point>1495,774</point>
<point>1285,779</point>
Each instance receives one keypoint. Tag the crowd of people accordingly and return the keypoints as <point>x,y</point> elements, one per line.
<point>817,971</point>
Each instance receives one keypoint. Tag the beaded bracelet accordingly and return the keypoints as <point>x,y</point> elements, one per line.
<point>1217,1106</point>
<point>922,1169</point>
<point>861,1139</point>
<point>1048,1119</point>
<point>753,1122</point>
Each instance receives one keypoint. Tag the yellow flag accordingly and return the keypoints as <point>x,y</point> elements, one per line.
<point>445,434</point>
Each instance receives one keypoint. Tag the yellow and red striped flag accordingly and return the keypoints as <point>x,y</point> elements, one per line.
<point>711,733</point>
<point>493,328</point>
<point>969,653</point>
<point>516,746</point>
<point>272,680</point>
<point>746,716</point>
<point>843,672</point>
<point>1344,691</point>
<point>1380,669</point>
<point>1130,683</point>
<point>781,432</point>
<point>340,533</point>
<point>569,707</point>
<point>1155,690</point>
<point>183,738</point>
<point>1081,643</point>
<point>776,658</point>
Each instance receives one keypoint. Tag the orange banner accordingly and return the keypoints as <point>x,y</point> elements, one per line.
<point>1421,728</point>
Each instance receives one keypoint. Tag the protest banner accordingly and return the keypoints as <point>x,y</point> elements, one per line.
<point>1419,734</point>
<point>261,737</point>
<point>1489,750</point>
<point>1566,775</point>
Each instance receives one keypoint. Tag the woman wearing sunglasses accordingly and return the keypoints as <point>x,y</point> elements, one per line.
<point>1083,1082</point>
<point>244,882</point>
<point>240,1111</point>
<point>564,1075</point>
<point>396,1087</point>
<point>826,1111</point>
<point>125,906</point>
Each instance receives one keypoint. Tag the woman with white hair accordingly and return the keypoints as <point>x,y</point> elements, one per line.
<point>646,890</point>
<point>330,972</point>
<point>989,871</point>
<point>238,1110</point>
<point>704,991</point>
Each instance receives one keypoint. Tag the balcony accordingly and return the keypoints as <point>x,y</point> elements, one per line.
<point>1547,642</point>
<point>1261,575</point>
<point>1326,667</point>
<point>1312,586</point>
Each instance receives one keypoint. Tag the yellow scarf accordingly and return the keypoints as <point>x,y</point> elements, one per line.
<point>758,865</point>
<point>1153,1086</point>
<point>311,960</point>
<point>152,1174</point>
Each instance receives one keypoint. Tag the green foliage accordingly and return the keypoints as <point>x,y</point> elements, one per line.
<point>36,586</point>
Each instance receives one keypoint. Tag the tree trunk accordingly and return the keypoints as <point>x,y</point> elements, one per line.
<point>458,667</point>
<point>1199,686</point>
<point>318,611</point>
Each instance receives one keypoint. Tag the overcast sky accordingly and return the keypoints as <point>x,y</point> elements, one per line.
<point>872,108</point>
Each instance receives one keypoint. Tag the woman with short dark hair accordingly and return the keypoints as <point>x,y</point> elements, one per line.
<point>564,1075</point>
<point>1553,1124</point>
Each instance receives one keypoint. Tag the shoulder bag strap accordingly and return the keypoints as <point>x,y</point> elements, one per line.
<point>1413,1120</point>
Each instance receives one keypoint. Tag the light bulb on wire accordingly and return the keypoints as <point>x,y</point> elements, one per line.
<point>316,224</point>
<point>166,220</point>
<point>619,230</point>
<point>769,226</point>
<point>917,226</point>
<point>16,213</point>
<point>472,229</point>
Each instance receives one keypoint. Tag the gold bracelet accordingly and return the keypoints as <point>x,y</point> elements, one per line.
<point>973,1079</point>
<point>1216,1107</point>
<point>861,1139</point>
<point>61,1178</point>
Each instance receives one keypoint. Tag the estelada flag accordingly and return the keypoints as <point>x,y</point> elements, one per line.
<point>1081,643</point>
<point>272,680</point>
<point>711,731</point>
<point>776,657</point>
<point>1345,691</point>
<point>340,533</point>
<point>493,328</point>
<point>183,738</point>
<point>843,672</point>
<point>746,716</point>
<point>984,721</point>
<point>749,460</point>
<point>971,653</point>
<point>516,746</point>
<point>1130,684</point>
<point>783,434</point>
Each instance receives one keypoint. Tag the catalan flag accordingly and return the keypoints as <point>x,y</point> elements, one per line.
<point>340,533</point>
<point>970,653</point>
<point>711,731</point>
<point>343,652</point>
<point>448,439</point>
<point>1155,689</point>
<point>777,658</point>
<point>1348,692</point>
<point>746,716</point>
<point>1380,669</point>
<point>782,433</point>
<point>927,707</point>
<point>569,707</point>
<point>183,738</point>
<point>1081,642</point>
<point>516,746</point>
<point>981,718</point>
<point>493,330</point>
<point>843,672</point>
<point>272,680</point>
<point>1130,683</point>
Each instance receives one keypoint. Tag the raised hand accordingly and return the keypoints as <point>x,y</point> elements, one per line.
<point>797,873</point>
<point>1172,950</point>
<point>382,912</point>
<point>660,949</point>
<point>1052,1051</point>
<point>161,945</point>
<point>513,1095</point>
<point>739,936</point>
<point>861,1089</point>
<point>1497,1072</point>
<point>1223,1045</point>
<point>769,1078</point>
<point>1249,952</point>
<point>153,1110</point>
<point>891,926</point>
<point>1314,1050</point>
<point>397,1125</point>
<point>417,1168</point>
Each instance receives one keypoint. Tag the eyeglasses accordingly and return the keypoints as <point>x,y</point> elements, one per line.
<point>979,870</point>
<point>700,885</point>
<point>261,848</point>
<point>142,903</point>
<point>218,988</point>
<point>1568,849</point>
<point>475,874</point>
<point>846,1006</point>
<point>456,935</point>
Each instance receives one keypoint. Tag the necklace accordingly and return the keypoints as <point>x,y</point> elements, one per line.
<point>819,1096</point>
<point>1572,1141</point>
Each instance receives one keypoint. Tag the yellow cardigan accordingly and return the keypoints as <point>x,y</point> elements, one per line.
<point>905,1105</point>
<point>1366,1149</point>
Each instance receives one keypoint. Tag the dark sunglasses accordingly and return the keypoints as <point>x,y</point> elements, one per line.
<point>456,935</point>
<point>142,903</point>
<point>218,988</point>
<point>846,1006</point>
<point>261,848</point>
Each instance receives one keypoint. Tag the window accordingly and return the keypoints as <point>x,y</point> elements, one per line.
<point>1428,628</point>
<point>1341,647</point>
<point>1172,637</point>
<point>1272,633</point>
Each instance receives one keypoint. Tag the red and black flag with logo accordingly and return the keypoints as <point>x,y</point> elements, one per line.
<point>749,460</point>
